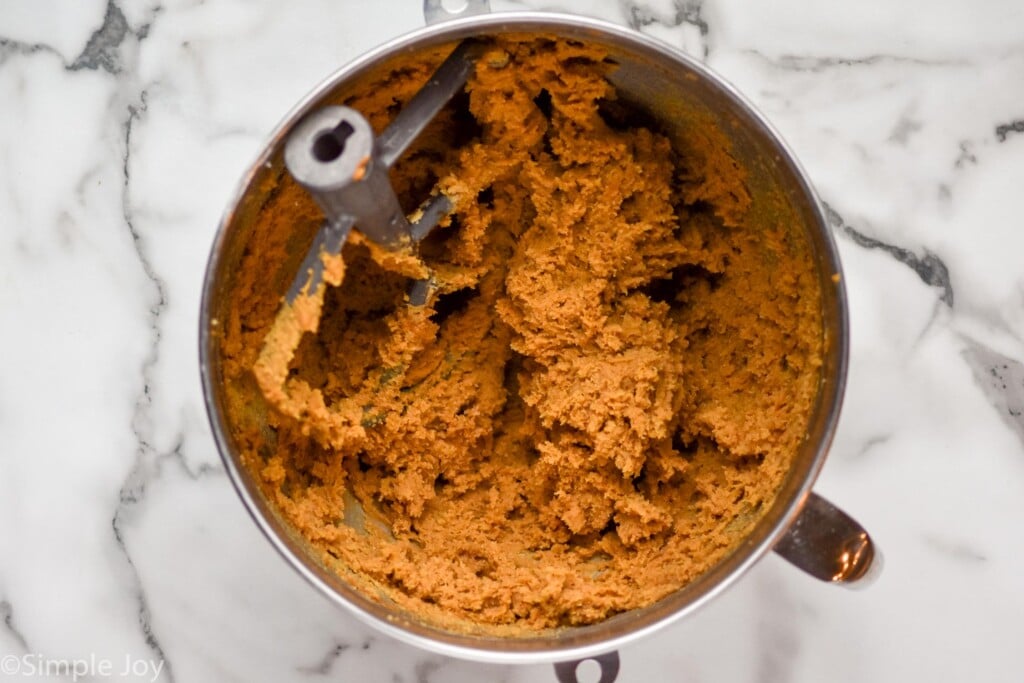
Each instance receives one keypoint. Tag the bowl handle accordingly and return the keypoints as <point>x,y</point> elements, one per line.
<point>565,672</point>
<point>829,545</point>
<point>435,11</point>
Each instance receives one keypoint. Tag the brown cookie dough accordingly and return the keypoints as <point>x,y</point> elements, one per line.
<point>601,401</point>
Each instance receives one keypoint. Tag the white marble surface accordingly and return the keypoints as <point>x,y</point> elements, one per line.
<point>123,130</point>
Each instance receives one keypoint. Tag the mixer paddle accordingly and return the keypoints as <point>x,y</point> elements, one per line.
<point>335,156</point>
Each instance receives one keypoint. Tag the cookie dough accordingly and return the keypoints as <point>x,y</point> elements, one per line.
<point>600,402</point>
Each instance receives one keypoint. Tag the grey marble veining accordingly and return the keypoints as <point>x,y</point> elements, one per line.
<point>1001,378</point>
<point>124,129</point>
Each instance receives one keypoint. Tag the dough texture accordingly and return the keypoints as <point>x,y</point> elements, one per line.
<point>600,402</point>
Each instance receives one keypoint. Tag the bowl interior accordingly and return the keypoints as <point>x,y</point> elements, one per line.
<point>685,100</point>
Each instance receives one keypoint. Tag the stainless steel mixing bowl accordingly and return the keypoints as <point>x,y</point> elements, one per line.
<point>678,92</point>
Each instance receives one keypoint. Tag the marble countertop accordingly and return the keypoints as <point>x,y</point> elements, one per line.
<point>124,128</point>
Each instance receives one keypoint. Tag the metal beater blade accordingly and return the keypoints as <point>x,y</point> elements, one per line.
<point>335,156</point>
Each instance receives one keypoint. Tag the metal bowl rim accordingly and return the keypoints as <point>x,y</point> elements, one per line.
<point>830,400</point>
